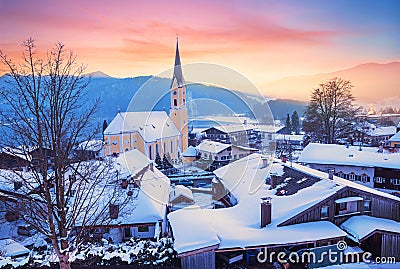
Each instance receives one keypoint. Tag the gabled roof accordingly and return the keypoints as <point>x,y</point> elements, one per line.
<point>360,227</point>
<point>232,128</point>
<point>153,195</point>
<point>341,155</point>
<point>212,146</point>
<point>147,204</point>
<point>395,138</point>
<point>190,152</point>
<point>180,190</point>
<point>151,125</point>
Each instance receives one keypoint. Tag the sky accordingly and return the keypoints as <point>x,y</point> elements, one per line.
<point>263,40</point>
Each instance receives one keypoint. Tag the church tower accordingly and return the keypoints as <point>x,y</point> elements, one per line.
<point>178,112</point>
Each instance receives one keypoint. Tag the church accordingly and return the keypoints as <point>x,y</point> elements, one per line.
<point>153,132</point>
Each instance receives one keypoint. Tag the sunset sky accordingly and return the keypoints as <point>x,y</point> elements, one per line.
<point>263,40</point>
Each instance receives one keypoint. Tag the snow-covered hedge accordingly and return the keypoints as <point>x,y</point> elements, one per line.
<point>135,251</point>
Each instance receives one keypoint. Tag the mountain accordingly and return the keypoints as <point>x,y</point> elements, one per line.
<point>98,74</point>
<point>150,92</point>
<point>373,82</point>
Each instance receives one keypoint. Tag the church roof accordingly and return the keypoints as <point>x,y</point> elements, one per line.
<point>151,125</point>
<point>177,78</point>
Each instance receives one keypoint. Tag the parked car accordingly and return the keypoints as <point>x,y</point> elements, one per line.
<point>26,230</point>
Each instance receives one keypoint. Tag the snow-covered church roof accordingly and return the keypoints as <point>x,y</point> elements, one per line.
<point>151,125</point>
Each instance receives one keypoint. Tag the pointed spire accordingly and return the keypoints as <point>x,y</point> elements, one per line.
<point>178,75</point>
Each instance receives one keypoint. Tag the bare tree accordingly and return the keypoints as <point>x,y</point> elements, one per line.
<point>330,111</point>
<point>45,112</point>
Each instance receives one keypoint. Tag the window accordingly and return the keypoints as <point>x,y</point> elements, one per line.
<point>156,148</point>
<point>380,180</point>
<point>174,92</point>
<point>114,142</point>
<point>365,178</point>
<point>367,205</point>
<point>342,206</point>
<point>395,181</point>
<point>340,174</point>
<point>143,229</point>
<point>127,232</point>
<point>150,153</point>
<point>235,157</point>
<point>324,212</point>
<point>183,101</point>
<point>216,158</point>
<point>352,176</point>
<point>175,102</point>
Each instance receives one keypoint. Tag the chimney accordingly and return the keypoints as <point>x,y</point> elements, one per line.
<point>124,183</point>
<point>266,214</point>
<point>274,181</point>
<point>114,211</point>
<point>264,162</point>
<point>330,174</point>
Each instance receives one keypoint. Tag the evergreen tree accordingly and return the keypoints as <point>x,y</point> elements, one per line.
<point>158,162</point>
<point>288,125</point>
<point>105,125</point>
<point>295,123</point>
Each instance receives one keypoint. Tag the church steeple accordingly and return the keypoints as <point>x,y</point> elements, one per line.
<point>178,111</point>
<point>177,78</point>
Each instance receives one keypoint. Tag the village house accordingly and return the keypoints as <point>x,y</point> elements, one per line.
<point>235,134</point>
<point>372,167</point>
<point>143,213</point>
<point>372,135</point>
<point>217,154</point>
<point>394,141</point>
<point>264,217</point>
<point>153,132</point>
<point>14,159</point>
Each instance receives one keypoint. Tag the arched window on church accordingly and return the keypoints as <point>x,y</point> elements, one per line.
<point>175,102</point>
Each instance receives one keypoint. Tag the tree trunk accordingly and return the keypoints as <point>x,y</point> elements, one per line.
<point>64,261</point>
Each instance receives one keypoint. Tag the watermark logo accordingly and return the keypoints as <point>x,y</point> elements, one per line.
<point>335,254</point>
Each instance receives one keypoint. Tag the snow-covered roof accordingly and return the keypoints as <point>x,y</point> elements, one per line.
<point>190,231</point>
<point>239,226</point>
<point>269,128</point>
<point>289,137</point>
<point>361,226</point>
<point>147,204</point>
<point>341,155</point>
<point>395,138</point>
<point>131,162</point>
<point>212,146</point>
<point>91,145</point>
<point>150,203</point>
<point>16,152</point>
<point>233,128</point>
<point>151,125</point>
<point>10,248</point>
<point>373,130</point>
<point>180,190</point>
<point>190,152</point>
<point>383,131</point>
